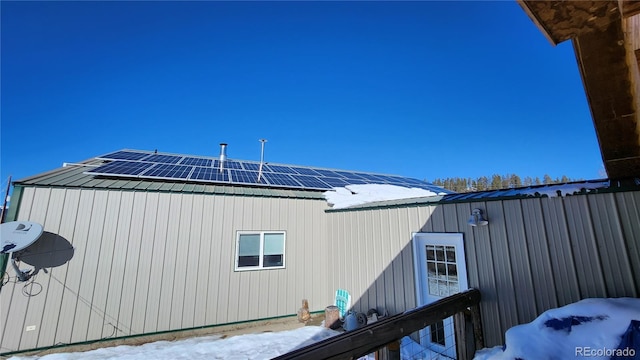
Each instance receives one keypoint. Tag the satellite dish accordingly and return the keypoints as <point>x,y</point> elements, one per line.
<point>17,235</point>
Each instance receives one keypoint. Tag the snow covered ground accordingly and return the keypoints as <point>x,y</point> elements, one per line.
<point>265,345</point>
<point>594,328</point>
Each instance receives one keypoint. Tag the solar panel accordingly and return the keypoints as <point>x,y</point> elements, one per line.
<point>281,169</point>
<point>209,174</point>
<point>196,161</point>
<point>125,155</point>
<point>327,173</point>
<point>228,164</point>
<point>280,179</point>
<point>335,182</point>
<point>372,177</point>
<point>306,171</point>
<point>246,177</point>
<point>251,166</point>
<point>164,159</point>
<point>169,171</point>
<point>133,163</point>
<point>311,182</point>
<point>122,167</point>
<point>348,174</point>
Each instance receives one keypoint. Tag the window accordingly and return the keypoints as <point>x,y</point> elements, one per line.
<point>257,250</point>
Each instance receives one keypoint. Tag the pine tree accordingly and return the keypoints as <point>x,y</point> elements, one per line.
<point>462,185</point>
<point>496,182</point>
<point>515,181</point>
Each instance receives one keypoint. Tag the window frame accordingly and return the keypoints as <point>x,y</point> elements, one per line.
<point>262,255</point>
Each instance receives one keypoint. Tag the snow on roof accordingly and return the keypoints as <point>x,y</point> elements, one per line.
<point>351,195</point>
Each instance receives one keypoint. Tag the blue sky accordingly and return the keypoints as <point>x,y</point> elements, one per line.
<point>420,89</point>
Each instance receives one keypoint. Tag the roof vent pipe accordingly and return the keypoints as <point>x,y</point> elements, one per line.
<point>261,159</point>
<point>223,155</point>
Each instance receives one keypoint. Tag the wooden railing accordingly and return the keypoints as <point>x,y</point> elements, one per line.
<point>367,339</point>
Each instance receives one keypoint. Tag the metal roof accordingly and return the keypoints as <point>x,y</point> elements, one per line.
<point>87,174</point>
<point>538,191</point>
<point>153,165</point>
<point>73,176</point>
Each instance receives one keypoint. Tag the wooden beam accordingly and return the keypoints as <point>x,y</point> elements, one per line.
<point>362,341</point>
<point>533,16</point>
<point>629,8</point>
<point>609,86</point>
<point>561,20</point>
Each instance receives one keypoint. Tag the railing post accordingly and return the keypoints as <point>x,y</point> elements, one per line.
<point>371,337</point>
<point>460,329</point>
<point>477,327</point>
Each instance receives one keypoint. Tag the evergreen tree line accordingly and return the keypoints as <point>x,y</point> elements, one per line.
<point>496,182</point>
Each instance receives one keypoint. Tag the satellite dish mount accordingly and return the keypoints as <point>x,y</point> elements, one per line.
<point>16,236</point>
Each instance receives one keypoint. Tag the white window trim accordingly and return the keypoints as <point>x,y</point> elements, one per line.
<point>261,257</point>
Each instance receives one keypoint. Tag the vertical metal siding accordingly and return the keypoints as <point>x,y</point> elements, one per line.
<point>629,210</point>
<point>562,263</point>
<point>611,245</point>
<point>524,293</point>
<point>535,254</point>
<point>148,261</point>
<point>487,282</point>
<point>500,246</point>
<point>585,248</point>
<point>158,254</point>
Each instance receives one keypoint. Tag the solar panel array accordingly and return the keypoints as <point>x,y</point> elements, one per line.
<point>138,164</point>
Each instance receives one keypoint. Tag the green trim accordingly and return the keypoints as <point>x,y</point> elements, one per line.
<point>14,205</point>
<point>11,215</point>
<point>4,260</point>
<point>88,342</point>
<point>317,196</point>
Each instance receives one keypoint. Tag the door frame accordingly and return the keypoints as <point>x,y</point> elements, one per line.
<point>419,241</point>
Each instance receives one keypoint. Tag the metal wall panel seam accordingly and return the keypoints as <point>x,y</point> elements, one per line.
<point>145,260</point>
<point>101,269</point>
<point>53,209</point>
<point>490,294</point>
<point>502,270</point>
<point>519,261</point>
<point>560,252</point>
<point>611,243</point>
<point>630,207</point>
<point>76,329</point>
<point>153,291</point>
<point>599,279</point>
<point>624,262</point>
<point>572,256</point>
<point>74,208</point>
<point>529,250</point>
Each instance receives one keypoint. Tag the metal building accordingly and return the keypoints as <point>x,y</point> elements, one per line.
<point>124,255</point>
<point>537,251</point>
<point>127,254</point>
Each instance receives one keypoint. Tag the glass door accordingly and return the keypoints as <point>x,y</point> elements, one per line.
<point>440,271</point>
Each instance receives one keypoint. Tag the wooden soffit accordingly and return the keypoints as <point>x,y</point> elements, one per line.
<point>606,41</point>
